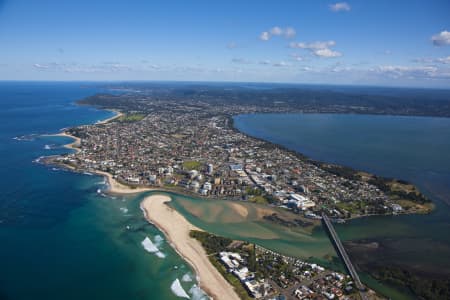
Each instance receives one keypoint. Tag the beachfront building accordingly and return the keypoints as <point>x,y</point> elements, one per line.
<point>236,265</point>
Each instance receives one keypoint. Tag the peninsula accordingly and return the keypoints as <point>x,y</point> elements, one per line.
<point>189,145</point>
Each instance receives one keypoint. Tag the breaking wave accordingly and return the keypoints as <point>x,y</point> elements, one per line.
<point>186,278</point>
<point>197,293</point>
<point>178,290</point>
<point>27,137</point>
<point>152,248</point>
<point>158,240</point>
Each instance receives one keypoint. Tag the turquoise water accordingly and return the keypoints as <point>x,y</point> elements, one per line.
<point>60,238</point>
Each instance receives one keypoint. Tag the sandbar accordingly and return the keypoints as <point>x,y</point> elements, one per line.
<point>176,229</point>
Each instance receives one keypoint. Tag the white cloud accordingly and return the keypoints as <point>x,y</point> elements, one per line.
<point>340,6</point>
<point>40,66</point>
<point>296,57</point>
<point>444,60</point>
<point>287,32</point>
<point>429,60</point>
<point>105,67</point>
<point>318,48</point>
<point>264,36</point>
<point>412,72</point>
<point>441,39</point>
<point>276,31</point>
<point>326,52</point>
<point>314,45</point>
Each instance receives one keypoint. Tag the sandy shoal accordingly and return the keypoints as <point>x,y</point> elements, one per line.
<point>240,209</point>
<point>176,228</point>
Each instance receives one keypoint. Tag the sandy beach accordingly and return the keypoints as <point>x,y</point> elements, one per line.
<point>74,145</point>
<point>118,114</point>
<point>119,188</point>
<point>176,228</point>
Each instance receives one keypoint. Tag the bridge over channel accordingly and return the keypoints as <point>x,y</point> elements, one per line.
<point>343,254</point>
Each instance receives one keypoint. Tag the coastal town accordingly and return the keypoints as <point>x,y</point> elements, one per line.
<point>260,273</point>
<point>192,147</point>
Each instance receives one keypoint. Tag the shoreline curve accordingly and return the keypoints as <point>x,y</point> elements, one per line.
<point>176,229</point>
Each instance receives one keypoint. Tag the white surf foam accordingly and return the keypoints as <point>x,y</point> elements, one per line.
<point>27,137</point>
<point>149,246</point>
<point>197,293</point>
<point>186,278</point>
<point>158,240</point>
<point>178,290</point>
<point>124,210</point>
<point>152,248</point>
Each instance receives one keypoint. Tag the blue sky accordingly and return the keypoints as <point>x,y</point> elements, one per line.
<point>396,43</point>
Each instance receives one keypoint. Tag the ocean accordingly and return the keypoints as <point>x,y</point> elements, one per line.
<point>61,237</point>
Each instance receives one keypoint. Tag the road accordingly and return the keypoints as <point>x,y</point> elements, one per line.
<point>343,254</point>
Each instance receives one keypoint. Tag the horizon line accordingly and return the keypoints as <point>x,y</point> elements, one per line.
<point>228,82</point>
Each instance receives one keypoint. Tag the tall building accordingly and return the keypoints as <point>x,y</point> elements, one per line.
<point>210,169</point>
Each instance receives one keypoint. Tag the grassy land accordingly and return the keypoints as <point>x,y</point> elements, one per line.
<point>131,118</point>
<point>354,207</point>
<point>391,186</point>
<point>415,207</point>
<point>212,243</point>
<point>258,199</point>
<point>192,165</point>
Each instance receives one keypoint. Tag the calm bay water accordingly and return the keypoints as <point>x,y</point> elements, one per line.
<point>60,238</point>
<point>416,149</point>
